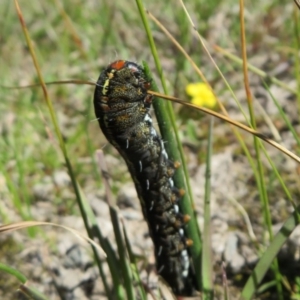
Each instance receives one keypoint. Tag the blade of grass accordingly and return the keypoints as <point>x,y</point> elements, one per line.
<point>31,293</point>
<point>224,117</point>
<point>70,27</point>
<point>14,188</point>
<point>50,107</point>
<point>166,120</point>
<point>257,177</point>
<point>284,116</point>
<point>112,260</point>
<point>27,224</point>
<point>124,264</point>
<point>247,221</point>
<point>204,45</point>
<point>164,112</point>
<point>71,81</point>
<point>225,283</point>
<point>198,71</point>
<point>132,259</point>
<point>268,256</point>
<point>261,181</point>
<point>57,130</point>
<point>253,69</point>
<point>239,137</point>
<point>269,122</point>
<point>185,204</point>
<point>297,58</point>
<point>231,121</point>
<point>12,271</point>
<point>207,261</point>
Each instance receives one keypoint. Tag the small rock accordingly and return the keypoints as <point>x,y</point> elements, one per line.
<point>61,178</point>
<point>127,196</point>
<point>76,257</point>
<point>68,279</point>
<point>43,191</point>
<point>235,261</point>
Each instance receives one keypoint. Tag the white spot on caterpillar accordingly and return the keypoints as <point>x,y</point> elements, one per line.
<point>127,144</point>
<point>148,184</point>
<point>181,232</point>
<point>148,118</point>
<point>153,132</point>
<point>176,208</point>
<point>171,182</point>
<point>141,166</point>
<point>184,253</point>
<point>185,263</point>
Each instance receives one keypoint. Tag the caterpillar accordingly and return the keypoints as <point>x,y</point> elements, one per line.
<point>122,107</point>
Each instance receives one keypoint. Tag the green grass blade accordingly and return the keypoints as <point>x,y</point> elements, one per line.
<point>12,271</point>
<point>124,263</point>
<point>255,70</point>
<point>31,293</point>
<point>207,281</point>
<point>136,275</point>
<point>269,255</point>
<point>296,56</point>
<point>265,205</point>
<point>54,120</point>
<point>112,260</point>
<point>179,177</point>
<point>165,115</point>
<point>284,116</point>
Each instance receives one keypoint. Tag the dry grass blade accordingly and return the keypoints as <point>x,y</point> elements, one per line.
<point>168,34</point>
<point>247,220</point>
<point>205,110</point>
<point>30,293</point>
<point>21,225</point>
<point>297,2</point>
<point>124,263</point>
<point>70,27</point>
<point>253,69</point>
<point>235,123</point>
<point>71,81</point>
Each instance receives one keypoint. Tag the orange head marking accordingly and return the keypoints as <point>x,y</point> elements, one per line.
<point>118,64</point>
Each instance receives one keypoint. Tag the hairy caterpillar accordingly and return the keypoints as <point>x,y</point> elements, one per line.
<point>122,107</point>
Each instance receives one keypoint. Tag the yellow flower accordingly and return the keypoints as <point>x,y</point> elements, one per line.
<point>201,94</point>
